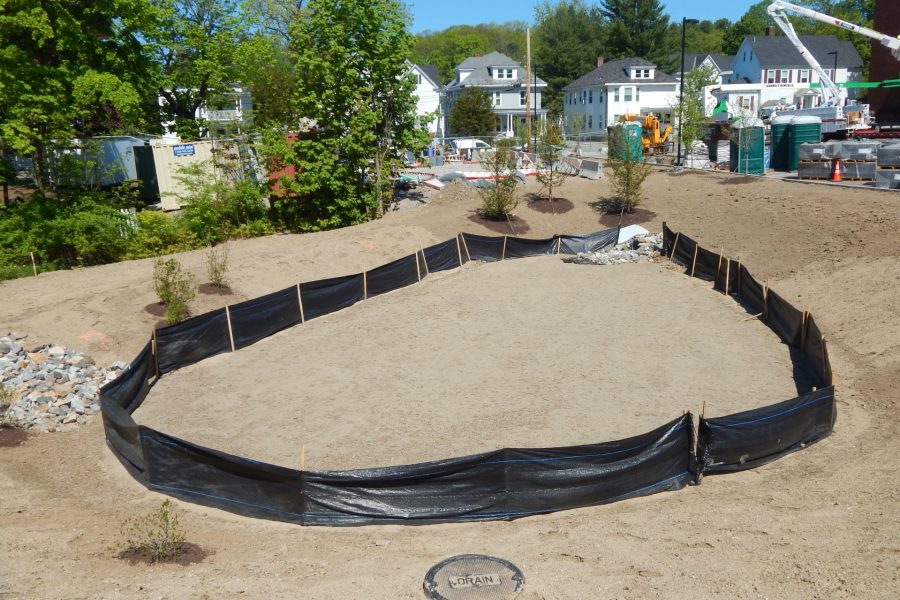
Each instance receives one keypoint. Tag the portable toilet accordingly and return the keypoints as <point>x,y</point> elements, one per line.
<point>780,141</point>
<point>625,141</point>
<point>747,148</point>
<point>801,129</point>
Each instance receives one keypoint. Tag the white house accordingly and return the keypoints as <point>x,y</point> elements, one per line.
<point>232,106</point>
<point>504,80</point>
<point>626,86</point>
<point>428,97</point>
<point>719,64</point>
<point>782,77</point>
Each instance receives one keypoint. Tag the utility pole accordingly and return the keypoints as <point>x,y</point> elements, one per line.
<point>528,85</point>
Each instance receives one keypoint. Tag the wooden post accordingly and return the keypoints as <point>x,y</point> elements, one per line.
<point>703,410</point>
<point>503,252</point>
<point>674,246</point>
<point>803,326</point>
<point>719,265</point>
<point>465,246</point>
<point>739,278</point>
<point>727,275</point>
<point>33,265</point>
<point>155,346</point>
<point>459,251</point>
<point>425,261</point>
<point>300,302</point>
<point>365,285</point>
<point>418,269</point>
<point>228,318</point>
<point>558,244</point>
<point>528,123</point>
<point>825,362</point>
<point>696,250</point>
<point>766,300</point>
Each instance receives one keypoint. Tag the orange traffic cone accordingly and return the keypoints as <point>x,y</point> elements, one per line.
<point>836,174</point>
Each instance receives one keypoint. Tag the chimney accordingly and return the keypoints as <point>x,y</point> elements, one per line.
<point>599,61</point>
<point>770,31</point>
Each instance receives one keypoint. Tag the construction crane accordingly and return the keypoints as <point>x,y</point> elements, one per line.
<point>831,94</point>
<point>652,140</point>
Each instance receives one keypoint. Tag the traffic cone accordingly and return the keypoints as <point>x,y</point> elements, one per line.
<point>836,174</point>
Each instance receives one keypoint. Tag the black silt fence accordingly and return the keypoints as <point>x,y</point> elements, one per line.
<point>752,438</point>
<point>505,484</point>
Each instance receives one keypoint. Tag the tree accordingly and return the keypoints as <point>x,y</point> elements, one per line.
<point>636,28</point>
<point>499,198</point>
<point>194,47</point>
<point>753,22</point>
<point>69,68</point>
<point>691,110</point>
<point>567,42</point>
<point>629,170</point>
<point>267,68</point>
<point>704,37</point>
<point>358,101</point>
<point>472,113</point>
<point>550,176</point>
<point>447,48</point>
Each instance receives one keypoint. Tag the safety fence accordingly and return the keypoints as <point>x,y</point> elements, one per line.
<point>503,484</point>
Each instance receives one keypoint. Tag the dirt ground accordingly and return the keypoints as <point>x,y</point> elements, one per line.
<point>823,523</point>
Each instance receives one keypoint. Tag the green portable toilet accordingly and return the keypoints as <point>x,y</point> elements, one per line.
<point>780,141</point>
<point>625,141</point>
<point>747,151</point>
<point>802,129</point>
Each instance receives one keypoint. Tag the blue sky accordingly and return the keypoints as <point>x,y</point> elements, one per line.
<point>437,15</point>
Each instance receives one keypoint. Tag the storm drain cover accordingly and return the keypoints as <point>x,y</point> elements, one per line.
<point>474,577</point>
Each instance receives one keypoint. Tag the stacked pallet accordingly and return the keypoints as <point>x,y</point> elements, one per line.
<point>858,160</point>
<point>816,159</point>
<point>887,174</point>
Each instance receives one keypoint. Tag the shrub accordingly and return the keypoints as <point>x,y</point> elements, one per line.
<point>157,535</point>
<point>550,153</point>
<point>174,287</point>
<point>159,233</point>
<point>499,199</point>
<point>217,265</point>
<point>628,174</point>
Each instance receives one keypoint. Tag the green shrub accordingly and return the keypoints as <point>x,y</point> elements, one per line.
<point>217,265</point>
<point>175,289</point>
<point>498,200</point>
<point>160,233</point>
<point>157,535</point>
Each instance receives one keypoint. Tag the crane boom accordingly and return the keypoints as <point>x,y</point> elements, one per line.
<point>890,41</point>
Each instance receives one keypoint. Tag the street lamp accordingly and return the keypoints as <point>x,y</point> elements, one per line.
<point>684,23</point>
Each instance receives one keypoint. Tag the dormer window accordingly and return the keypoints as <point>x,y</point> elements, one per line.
<point>504,73</point>
<point>641,73</point>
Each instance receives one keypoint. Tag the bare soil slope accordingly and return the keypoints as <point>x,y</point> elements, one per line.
<point>822,523</point>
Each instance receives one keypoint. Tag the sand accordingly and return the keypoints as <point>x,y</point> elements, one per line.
<point>822,523</point>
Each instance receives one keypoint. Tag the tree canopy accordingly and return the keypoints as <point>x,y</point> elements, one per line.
<point>447,48</point>
<point>636,28</point>
<point>472,113</point>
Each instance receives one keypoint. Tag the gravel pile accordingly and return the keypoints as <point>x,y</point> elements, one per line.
<point>48,387</point>
<point>642,248</point>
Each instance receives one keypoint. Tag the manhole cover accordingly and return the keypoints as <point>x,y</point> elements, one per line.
<point>474,577</point>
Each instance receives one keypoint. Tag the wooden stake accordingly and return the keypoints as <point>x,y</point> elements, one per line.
<point>302,457</point>
<point>459,250</point>
<point>230,334</point>
<point>418,268</point>
<point>558,245</point>
<point>365,285</point>
<point>674,246</point>
<point>696,250</point>
<point>155,346</point>
<point>803,326</point>
<point>719,266</point>
<point>766,300</point>
<point>425,261</point>
<point>739,278</point>
<point>756,316</point>
<point>727,275</point>
<point>503,252</point>
<point>703,410</point>
<point>33,265</point>
<point>465,246</point>
<point>300,302</point>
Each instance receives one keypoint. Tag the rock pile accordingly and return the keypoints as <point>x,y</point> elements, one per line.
<point>49,387</point>
<point>641,248</point>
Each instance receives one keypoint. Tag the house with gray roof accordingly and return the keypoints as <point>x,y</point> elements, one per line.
<point>503,79</point>
<point>615,88</point>
<point>773,67</point>
<point>719,64</point>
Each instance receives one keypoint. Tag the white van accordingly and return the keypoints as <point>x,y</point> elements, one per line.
<point>468,146</point>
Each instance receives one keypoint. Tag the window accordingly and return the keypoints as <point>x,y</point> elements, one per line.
<point>637,94</point>
<point>590,96</point>
<point>627,94</point>
<point>640,73</point>
<point>785,76</point>
<point>803,76</point>
<point>615,94</point>
<point>521,98</point>
<point>495,96</point>
<point>590,121</point>
<point>770,76</point>
<point>504,73</point>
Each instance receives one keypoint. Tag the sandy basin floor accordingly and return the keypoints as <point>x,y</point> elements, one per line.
<point>522,353</point>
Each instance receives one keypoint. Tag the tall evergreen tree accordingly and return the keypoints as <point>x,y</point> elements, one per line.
<point>567,42</point>
<point>472,113</point>
<point>636,28</point>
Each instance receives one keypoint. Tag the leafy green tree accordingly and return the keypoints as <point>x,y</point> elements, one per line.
<point>447,48</point>
<point>700,38</point>
<point>691,110</point>
<point>636,28</point>
<point>551,176</point>
<point>567,42</point>
<point>753,22</point>
<point>499,199</point>
<point>194,47</point>
<point>472,113</point>
<point>267,68</point>
<point>69,68</point>
<point>358,103</point>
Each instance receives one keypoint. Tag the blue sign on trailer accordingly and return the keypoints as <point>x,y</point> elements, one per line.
<point>183,150</point>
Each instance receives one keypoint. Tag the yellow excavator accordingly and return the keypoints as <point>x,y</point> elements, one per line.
<point>652,140</point>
